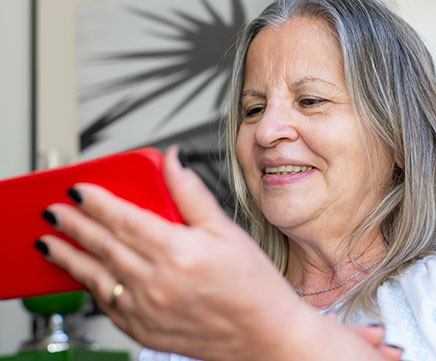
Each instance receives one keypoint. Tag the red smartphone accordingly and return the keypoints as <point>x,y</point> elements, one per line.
<point>24,272</point>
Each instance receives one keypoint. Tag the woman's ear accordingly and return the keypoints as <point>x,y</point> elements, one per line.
<point>399,161</point>
<point>397,175</point>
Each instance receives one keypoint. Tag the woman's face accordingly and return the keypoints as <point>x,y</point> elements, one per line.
<point>299,144</point>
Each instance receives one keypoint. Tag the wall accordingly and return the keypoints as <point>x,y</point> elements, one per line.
<point>420,14</point>
<point>14,134</point>
<point>14,87</point>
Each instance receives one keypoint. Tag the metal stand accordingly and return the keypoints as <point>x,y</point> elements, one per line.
<point>55,334</point>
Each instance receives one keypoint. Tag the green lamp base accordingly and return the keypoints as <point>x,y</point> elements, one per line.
<point>51,335</point>
<point>69,355</point>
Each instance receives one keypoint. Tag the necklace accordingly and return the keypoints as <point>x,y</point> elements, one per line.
<point>349,279</point>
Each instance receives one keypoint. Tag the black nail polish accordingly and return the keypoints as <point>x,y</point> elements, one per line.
<point>75,195</point>
<point>377,325</point>
<point>183,158</point>
<point>42,247</point>
<point>50,217</point>
<point>395,346</point>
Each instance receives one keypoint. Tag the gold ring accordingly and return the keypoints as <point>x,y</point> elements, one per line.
<point>117,292</point>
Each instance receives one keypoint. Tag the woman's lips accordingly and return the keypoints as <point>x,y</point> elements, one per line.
<point>285,169</point>
<point>281,178</point>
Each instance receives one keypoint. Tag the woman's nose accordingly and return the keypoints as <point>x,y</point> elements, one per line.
<point>277,124</point>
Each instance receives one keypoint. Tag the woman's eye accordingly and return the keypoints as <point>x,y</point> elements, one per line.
<point>254,111</point>
<point>310,102</point>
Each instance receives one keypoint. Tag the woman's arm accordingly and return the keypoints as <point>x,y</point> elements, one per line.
<point>204,290</point>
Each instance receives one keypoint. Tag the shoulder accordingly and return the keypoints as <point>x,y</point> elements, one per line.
<point>408,308</point>
<point>418,281</point>
<point>414,288</point>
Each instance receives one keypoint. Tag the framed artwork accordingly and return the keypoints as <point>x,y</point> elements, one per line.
<point>154,73</point>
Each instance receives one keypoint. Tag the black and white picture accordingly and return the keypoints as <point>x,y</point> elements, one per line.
<point>154,73</point>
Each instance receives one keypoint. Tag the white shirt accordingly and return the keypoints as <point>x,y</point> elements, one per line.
<point>150,355</point>
<point>407,307</point>
<point>408,310</point>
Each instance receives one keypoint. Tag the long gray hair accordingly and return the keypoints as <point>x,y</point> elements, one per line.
<point>391,80</point>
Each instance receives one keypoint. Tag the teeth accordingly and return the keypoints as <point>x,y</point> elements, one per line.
<point>286,169</point>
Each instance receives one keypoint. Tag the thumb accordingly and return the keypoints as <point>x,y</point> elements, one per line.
<point>195,202</point>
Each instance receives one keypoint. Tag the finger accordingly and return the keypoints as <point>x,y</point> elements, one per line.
<point>374,335</point>
<point>95,238</point>
<point>195,202</point>
<point>84,268</point>
<point>139,228</point>
<point>332,315</point>
<point>392,353</point>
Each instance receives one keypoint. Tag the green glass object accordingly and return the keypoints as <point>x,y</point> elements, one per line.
<point>63,303</point>
<point>70,355</point>
<point>54,339</point>
<point>53,330</point>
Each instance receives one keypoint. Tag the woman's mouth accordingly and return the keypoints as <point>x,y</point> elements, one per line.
<point>286,169</point>
<point>285,174</point>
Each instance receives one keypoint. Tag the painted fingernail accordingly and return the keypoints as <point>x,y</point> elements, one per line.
<point>183,158</point>
<point>50,217</point>
<point>395,347</point>
<point>75,195</point>
<point>42,247</point>
<point>376,325</point>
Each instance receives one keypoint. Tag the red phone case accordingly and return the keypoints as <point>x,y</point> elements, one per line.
<point>24,272</point>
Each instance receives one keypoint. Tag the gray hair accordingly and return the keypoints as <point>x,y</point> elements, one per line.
<point>391,80</point>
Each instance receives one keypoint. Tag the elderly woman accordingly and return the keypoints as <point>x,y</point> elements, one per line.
<point>331,145</point>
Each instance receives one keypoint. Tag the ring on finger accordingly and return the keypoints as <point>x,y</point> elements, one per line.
<point>117,292</point>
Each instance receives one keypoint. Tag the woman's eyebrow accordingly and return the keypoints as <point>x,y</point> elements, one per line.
<point>309,79</point>
<point>252,93</point>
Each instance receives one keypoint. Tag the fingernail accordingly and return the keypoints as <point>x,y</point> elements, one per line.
<point>183,158</point>
<point>42,247</point>
<point>75,195</point>
<point>376,325</point>
<point>50,217</point>
<point>395,346</point>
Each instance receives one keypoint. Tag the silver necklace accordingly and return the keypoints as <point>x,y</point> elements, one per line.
<point>349,279</point>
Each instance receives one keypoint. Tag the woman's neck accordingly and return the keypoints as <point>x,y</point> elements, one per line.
<point>316,268</point>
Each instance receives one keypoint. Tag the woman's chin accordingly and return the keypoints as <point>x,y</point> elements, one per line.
<point>287,224</point>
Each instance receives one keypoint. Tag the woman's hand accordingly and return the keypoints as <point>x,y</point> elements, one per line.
<point>375,336</point>
<point>204,289</point>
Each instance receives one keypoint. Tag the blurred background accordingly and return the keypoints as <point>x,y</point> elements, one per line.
<point>81,79</point>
